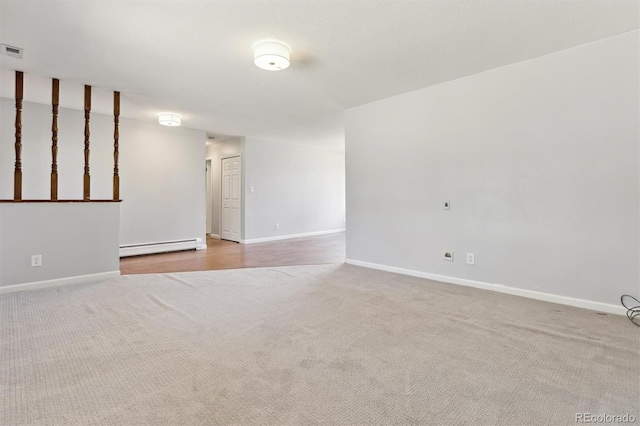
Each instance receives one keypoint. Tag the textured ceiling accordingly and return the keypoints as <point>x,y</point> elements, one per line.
<point>194,57</point>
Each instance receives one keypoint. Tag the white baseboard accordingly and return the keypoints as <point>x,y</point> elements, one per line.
<point>78,279</point>
<point>289,236</point>
<point>161,247</point>
<point>547,297</point>
<point>201,247</point>
<point>216,236</point>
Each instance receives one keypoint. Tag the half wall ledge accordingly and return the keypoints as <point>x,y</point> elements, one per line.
<point>60,201</point>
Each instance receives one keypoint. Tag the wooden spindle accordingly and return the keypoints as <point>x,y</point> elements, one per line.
<point>17,174</point>
<point>55,99</point>
<point>87,115</point>
<point>116,137</point>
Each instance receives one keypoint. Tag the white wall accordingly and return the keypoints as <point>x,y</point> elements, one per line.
<point>216,151</point>
<point>74,239</point>
<point>299,187</point>
<point>162,173</point>
<point>162,181</point>
<point>539,160</point>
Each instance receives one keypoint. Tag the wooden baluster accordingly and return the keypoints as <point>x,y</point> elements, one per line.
<point>17,174</point>
<point>87,115</point>
<point>116,137</point>
<point>55,98</point>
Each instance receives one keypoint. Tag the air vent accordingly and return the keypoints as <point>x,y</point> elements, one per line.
<point>14,52</point>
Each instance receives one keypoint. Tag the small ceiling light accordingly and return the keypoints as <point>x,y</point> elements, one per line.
<point>271,55</point>
<point>169,119</point>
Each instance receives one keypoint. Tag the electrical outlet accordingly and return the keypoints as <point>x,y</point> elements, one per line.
<point>36,260</point>
<point>448,256</point>
<point>251,188</point>
<point>277,226</point>
<point>447,205</point>
<point>471,258</point>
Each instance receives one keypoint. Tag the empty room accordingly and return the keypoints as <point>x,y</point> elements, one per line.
<point>337,212</point>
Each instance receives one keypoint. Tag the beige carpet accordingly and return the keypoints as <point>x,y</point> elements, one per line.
<point>332,344</point>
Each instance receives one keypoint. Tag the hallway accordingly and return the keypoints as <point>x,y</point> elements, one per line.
<point>222,254</point>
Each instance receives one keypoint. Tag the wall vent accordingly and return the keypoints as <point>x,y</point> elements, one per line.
<point>14,52</point>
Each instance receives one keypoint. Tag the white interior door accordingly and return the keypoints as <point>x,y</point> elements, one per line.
<point>231,182</point>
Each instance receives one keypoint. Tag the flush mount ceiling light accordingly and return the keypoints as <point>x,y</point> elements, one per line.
<point>271,55</point>
<point>169,119</point>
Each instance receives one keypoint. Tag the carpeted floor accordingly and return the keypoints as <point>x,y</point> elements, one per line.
<point>332,344</point>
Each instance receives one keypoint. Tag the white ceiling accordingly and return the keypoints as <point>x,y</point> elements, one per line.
<point>194,57</point>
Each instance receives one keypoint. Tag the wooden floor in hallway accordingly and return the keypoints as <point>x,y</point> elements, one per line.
<point>222,254</point>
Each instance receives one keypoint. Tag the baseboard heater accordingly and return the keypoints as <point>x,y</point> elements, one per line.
<point>159,247</point>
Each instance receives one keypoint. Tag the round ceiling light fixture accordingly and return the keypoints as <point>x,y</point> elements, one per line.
<point>169,119</point>
<point>271,55</point>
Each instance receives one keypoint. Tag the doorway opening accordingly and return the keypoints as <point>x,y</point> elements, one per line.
<point>209,197</point>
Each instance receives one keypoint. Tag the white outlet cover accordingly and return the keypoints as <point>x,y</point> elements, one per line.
<point>448,256</point>
<point>471,258</point>
<point>36,260</point>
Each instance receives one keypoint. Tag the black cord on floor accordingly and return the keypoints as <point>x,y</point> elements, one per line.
<point>633,312</point>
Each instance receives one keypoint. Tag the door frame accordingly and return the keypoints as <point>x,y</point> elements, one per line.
<point>222,158</point>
